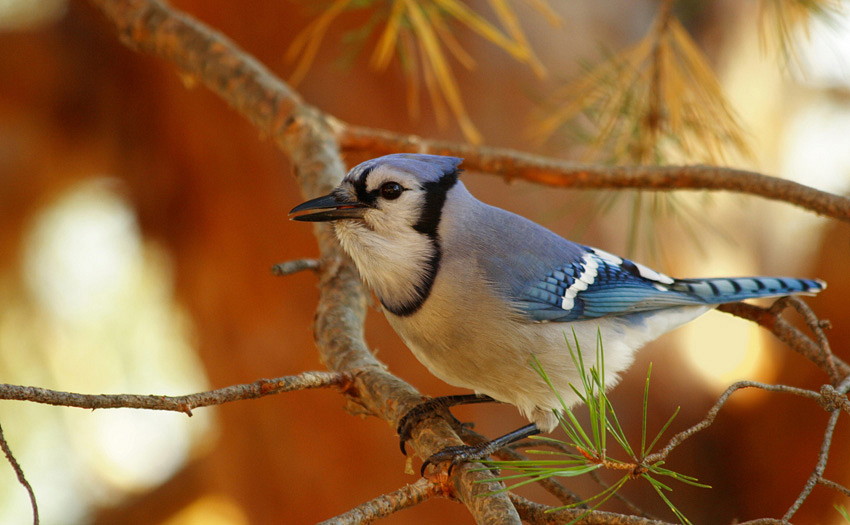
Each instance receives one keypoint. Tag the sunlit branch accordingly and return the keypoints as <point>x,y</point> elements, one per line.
<point>516,165</point>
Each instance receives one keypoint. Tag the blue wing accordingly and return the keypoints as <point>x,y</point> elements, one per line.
<point>599,284</point>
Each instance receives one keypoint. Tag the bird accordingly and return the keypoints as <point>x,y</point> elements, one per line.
<point>477,292</point>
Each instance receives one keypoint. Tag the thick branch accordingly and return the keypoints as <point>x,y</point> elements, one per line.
<point>511,164</point>
<point>311,139</point>
<point>200,53</point>
<point>203,54</point>
<point>303,132</point>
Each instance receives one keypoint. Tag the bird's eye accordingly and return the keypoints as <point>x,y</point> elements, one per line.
<point>391,190</point>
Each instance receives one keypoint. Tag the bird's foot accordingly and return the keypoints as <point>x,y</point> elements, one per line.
<point>459,454</point>
<point>465,453</point>
<point>434,407</point>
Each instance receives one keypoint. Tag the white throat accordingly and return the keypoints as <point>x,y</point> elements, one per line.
<point>394,263</point>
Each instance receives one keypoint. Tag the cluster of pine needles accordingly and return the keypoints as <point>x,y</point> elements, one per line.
<point>421,34</point>
<point>590,442</point>
<point>658,101</point>
<point>586,447</point>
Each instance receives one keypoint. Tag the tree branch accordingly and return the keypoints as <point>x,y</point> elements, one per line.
<point>823,456</point>
<point>185,404</point>
<point>677,440</point>
<point>312,140</point>
<point>769,318</point>
<point>387,504</point>
<point>19,472</point>
<point>304,133</point>
<point>511,164</point>
<point>550,485</point>
<point>537,513</point>
<point>834,486</point>
<point>298,265</point>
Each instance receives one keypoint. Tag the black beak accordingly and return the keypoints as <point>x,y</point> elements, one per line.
<point>327,208</point>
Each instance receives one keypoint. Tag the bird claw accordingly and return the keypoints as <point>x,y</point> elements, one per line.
<point>465,453</point>
<point>456,455</point>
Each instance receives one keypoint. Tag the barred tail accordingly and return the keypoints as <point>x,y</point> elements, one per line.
<point>727,290</point>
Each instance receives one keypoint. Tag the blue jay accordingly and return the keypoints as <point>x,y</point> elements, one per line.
<point>474,290</point>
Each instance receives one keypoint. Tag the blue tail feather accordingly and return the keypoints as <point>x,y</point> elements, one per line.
<point>727,290</point>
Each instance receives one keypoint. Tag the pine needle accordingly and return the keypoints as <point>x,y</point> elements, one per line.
<point>426,26</point>
<point>307,42</point>
<point>656,102</point>
<point>590,444</point>
<point>782,20</point>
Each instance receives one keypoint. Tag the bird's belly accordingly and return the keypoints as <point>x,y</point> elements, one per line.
<point>495,357</point>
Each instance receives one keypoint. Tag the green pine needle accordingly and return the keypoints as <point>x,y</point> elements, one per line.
<point>590,440</point>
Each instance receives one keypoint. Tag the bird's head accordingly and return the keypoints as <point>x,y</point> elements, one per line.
<point>386,213</point>
<point>391,193</point>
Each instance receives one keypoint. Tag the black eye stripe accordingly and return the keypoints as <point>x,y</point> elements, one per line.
<point>363,195</point>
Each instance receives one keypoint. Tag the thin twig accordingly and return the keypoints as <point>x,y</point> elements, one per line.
<point>387,504</point>
<point>816,325</point>
<point>537,513</point>
<point>834,486</point>
<point>819,467</point>
<point>298,265</point>
<point>790,335</point>
<point>516,165</point>
<point>19,472</point>
<point>185,404</point>
<point>306,135</point>
<point>677,439</point>
<point>817,475</point>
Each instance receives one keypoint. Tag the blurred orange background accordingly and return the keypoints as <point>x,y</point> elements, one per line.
<point>141,216</point>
